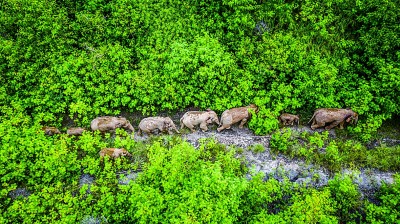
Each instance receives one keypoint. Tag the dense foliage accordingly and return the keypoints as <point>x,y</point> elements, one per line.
<point>175,183</point>
<point>81,59</point>
<point>334,154</point>
<point>86,58</point>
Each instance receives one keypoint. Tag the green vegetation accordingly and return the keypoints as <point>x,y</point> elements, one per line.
<point>76,60</point>
<point>334,154</point>
<point>176,183</point>
<point>89,58</point>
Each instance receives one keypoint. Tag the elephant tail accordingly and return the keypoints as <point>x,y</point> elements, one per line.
<point>312,117</point>
<point>181,122</point>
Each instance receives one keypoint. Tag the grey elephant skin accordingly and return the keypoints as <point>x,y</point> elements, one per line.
<point>202,118</point>
<point>334,116</point>
<point>51,130</point>
<point>114,152</point>
<point>289,119</point>
<point>109,124</point>
<point>75,131</point>
<point>163,124</point>
<point>234,115</point>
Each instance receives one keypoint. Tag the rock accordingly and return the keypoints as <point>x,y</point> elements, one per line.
<point>19,192</point>
<point>94,220</point>
<point>126,177</point>
<point>86,179</point>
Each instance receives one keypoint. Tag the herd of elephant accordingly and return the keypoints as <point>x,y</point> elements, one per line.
<point>190,119</point>
<point>321,117</point>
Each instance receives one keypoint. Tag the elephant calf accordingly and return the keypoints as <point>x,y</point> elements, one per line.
<point>289,119</point>
<point>114,152</point>
<point>108,123</point>
<point>234,115</point>
<point>51,130</point>
<point>75,131</point>
<point>193,118</point>
<point>333,116</point>
<point>163,124</point>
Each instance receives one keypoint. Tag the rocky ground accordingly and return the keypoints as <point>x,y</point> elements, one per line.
<point>281,167</point>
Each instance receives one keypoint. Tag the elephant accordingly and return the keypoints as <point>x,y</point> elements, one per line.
<point>109,123</point>
<point>289,119</point>
<point>192,118</point>
<point>234,115</point>
<point>51,130</point>
<point>163,124</point>
<point>75,131</point>
<point>114,152</point>
<point>333,116</point>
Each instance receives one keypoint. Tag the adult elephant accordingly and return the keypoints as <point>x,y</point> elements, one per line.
<point>333,116</point>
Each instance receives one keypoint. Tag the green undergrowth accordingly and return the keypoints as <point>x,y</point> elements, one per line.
<point>334,153</point>
<point>84,59</point>
<point>176,183</point>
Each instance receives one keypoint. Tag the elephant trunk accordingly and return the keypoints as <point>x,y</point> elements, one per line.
<point>130,127</point>
<point>355,120</point>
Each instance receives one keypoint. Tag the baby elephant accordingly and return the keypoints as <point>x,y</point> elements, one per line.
<point>163,124</point>
<point>234,115</point>
<point>289,119</point>
<point>192,118</point>
<point>51,130</point>
<point>114,152</point>
<point>75,131</point>
<point>108,123</point>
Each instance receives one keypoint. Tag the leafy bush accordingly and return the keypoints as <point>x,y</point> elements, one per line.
<point>280,140</point>
<point>178,186</point>
<point>347,198</point>
<point>334,154</point>
<point>83,59</point>
<point>387,211</point>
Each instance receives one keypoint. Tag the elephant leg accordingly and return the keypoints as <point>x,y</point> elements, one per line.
<point>148,132</point>
<point>191,127</point>
<point>220,128</point>
<point>242,123</point>
<point>203,126</point>
<point>335,123</point>
<point>317,125</point>
<point>341,125</point>
<point>223,127</point>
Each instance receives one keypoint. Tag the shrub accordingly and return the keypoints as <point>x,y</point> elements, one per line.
<point>387,211</point>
